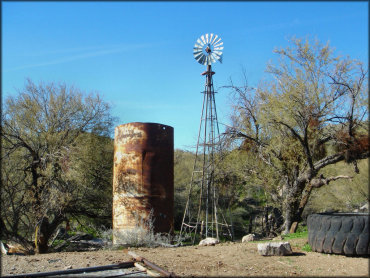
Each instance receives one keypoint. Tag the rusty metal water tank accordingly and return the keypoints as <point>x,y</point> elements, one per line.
<point>143,176</point>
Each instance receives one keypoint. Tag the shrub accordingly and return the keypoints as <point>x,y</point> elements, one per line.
<point>142,234</point>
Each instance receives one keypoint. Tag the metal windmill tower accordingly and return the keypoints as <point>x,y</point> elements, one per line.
<point>201,216</point>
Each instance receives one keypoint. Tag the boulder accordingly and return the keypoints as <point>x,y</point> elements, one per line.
<point>365,207</point>
<point>209,241</point>
<point>3,249</point>
<point>274,249</point>
<point>249,237</point>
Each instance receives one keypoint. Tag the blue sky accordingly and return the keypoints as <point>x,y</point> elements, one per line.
<point>138,55</point>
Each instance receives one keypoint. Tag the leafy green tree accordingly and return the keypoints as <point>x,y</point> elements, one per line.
<point>91,165</point>
<point>338,195</point>
<point>183,166</point>
<point>311,112</point>
<point>46,156</point>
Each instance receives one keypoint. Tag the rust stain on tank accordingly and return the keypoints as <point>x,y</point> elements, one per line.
<point>143,176</point>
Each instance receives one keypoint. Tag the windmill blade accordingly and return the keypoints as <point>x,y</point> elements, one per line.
<point>218,56</point>
<point>218,48</point>
<point>213,60</point>
<point>197,56</point>
<point>202,59</point>
<point>218,44</point>
<point>215,56</point>
<point>207,41</point>
<point>196,51</point>
<point>203,40</point>
<point>206,61</point>
<point>215,38</point>
<point>200,42</point>
<point>210,38</point>
<point>219,53</point>
<point>198,46</point>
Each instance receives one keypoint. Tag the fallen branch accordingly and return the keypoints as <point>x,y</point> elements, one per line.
<point>155,267</point>
<point>149,272</point>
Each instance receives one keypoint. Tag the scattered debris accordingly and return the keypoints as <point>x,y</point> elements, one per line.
<point>274,249</point>
<point>13,249</point>
<point>151,265</point>
<point>120,269</point>
<point>142,268</point>
<point>81,242</point>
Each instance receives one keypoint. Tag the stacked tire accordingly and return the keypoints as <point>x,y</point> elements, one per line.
<point>339,233</point>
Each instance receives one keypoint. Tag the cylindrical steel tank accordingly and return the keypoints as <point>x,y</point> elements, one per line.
<point>143,176</point>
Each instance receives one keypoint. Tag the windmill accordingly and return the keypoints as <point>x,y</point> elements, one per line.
<point>201,216</point>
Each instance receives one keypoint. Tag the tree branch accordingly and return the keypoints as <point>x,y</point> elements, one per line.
<point>317,183</point>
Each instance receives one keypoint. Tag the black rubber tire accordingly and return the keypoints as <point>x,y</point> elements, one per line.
<point>339,233</point>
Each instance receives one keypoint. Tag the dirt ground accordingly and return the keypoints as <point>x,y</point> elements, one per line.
<point>225,259</point>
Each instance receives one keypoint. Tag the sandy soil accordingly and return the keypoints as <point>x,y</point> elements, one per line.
<point>226,259</point>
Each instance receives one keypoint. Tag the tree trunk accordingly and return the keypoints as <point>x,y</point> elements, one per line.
<point>293,211</point>
<point>288,219</point>
<point>46,231</point>
<point>293,228</point>
<point>42,241</point>
<point>250,226</point>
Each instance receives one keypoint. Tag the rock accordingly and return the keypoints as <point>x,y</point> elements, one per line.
<point>249,237</point>
<point>3,249</point>
<point>365,207</point>
<point>54,261</point>
<point>274,249</point>
<point>209,241</point>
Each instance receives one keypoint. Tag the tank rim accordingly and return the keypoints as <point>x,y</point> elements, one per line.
<point>144,124</point>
